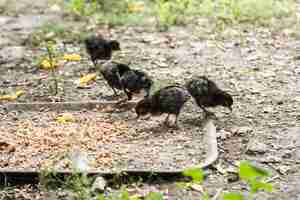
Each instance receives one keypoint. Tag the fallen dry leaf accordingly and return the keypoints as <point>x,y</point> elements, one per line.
<point>13,96</point>
<point>66,117</point>
<point>72,57</point>
<point>87,79</point>
<point>46,64</point>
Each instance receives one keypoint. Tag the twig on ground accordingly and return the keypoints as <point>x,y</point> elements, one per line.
<point>210,138</point>
<point>55,106</point>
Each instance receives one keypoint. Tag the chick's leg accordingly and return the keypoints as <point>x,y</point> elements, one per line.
<point>208,113</point>
<point>175,126</point>
<point>147,91</point>
<point>129,95</point>
<point>166,122</point>
<point>93,68</point>
<point>115,91</point>
<point>176,120</point>
<point>94,62</point>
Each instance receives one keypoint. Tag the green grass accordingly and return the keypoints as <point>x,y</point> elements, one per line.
<point>250,11</point>
<point>113,12</point>
<point>177,12</point>
<point>120,19</point>
<point>181,12</point>
<point>81,8</point>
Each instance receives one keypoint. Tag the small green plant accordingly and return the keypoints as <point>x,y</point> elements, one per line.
<point>82,7</point>
<point>172,12</point>
<point>50,63</point>
<point>49,178</point>
<point>53,60</point>
<point>196,174</point>
<point>254,176</point>
<point>165,16</point>
<point>78,183</point>
<point>233,196</point>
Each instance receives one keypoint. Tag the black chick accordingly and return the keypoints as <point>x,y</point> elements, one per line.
<point>168,100</point>
<point>100,49</point>
<point>134,81</point>
<point>207,94</point>
<point>112,72</point>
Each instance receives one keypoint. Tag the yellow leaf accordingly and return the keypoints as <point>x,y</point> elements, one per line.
<point>20,93</point>
<point>12,97</point>
<point>136,7</point>
<point>46,64</point>
<point>87,79</point>
<point>72,57</point>
<point>66,117</point>
<point>8,97</point>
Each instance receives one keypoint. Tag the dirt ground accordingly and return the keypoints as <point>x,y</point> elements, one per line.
<point>260,67</point>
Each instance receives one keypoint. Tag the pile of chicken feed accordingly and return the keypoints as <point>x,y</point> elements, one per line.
<point>103,141</point>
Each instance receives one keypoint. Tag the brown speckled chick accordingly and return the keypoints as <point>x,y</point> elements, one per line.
<point>100,49</point>
<point>207,94</point>
<point>112,72</point>
<point>134,81</point>
<point>168,100</point>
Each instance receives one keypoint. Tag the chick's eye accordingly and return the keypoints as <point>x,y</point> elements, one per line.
<point>141,111</point>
